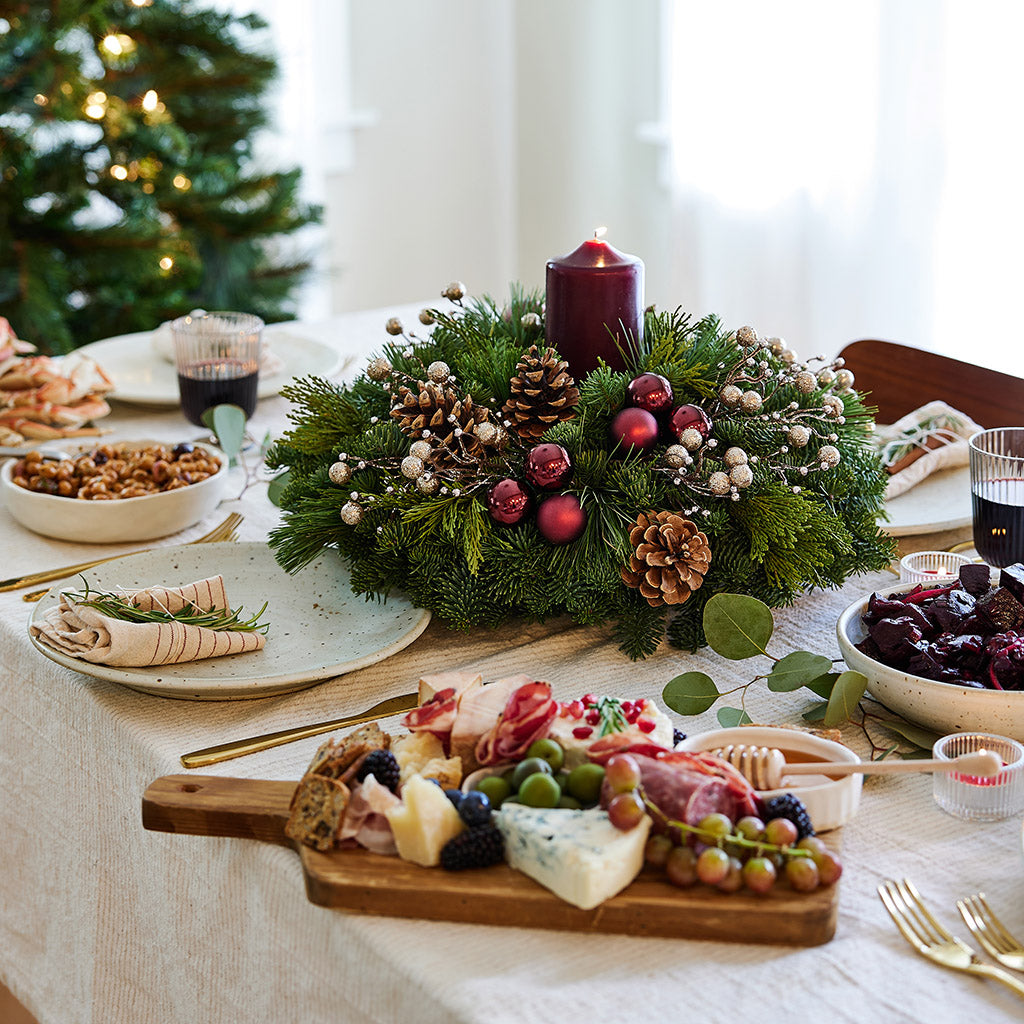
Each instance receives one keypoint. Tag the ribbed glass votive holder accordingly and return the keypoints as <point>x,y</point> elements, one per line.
<point>930,565</point>
<point>975,797</point>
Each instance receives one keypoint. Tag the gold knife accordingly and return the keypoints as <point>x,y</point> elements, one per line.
<point>237,748</point>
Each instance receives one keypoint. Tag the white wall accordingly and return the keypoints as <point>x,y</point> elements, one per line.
<point>506,133</point>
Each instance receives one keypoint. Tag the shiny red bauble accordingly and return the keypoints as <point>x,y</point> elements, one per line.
<point>634,429</point>
<point>508,501</point>
<point>650,391</point>
<point>548,467</point>
<point>686,417</point>
<point>561,519</point>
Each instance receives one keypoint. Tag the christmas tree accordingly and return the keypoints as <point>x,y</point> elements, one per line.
<point>129,189</point>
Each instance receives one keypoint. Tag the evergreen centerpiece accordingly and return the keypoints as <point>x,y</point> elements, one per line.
<point>130,192</point>
<point>467,467</point>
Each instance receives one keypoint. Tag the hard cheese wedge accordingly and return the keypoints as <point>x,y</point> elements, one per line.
<point>579,855</point>
<point>423,822</point>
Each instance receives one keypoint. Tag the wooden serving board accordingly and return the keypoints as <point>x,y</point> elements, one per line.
<point>361,882</point>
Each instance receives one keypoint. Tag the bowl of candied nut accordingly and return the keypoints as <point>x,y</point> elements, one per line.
<point>115,492</point>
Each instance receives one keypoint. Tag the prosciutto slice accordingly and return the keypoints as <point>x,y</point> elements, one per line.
<point>528,715</point>
<point>364,823</point>
<point>436,716</point>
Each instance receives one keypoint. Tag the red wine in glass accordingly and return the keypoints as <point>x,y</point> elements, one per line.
<point>210,382</point>
<point>998,507</point>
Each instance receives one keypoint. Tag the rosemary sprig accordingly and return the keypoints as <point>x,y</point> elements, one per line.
<point>117,606</point>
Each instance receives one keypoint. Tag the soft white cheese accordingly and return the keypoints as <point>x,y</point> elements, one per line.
<point>579,855</point>
<point>576,748</point>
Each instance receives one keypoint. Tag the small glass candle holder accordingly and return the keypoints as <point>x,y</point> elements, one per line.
<point>974,797</point>
<point>922,566</point>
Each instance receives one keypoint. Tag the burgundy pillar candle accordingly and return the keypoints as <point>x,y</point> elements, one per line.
<point>595,296</point>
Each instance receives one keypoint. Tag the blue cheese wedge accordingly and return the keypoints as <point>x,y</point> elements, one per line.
<point>579,855</point>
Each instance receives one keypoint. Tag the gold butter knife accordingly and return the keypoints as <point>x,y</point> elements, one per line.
<point>237,748</point>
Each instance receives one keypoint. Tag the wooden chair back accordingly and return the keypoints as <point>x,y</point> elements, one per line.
<point>900,379</point>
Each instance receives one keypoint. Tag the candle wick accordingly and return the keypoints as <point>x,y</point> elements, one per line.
<point>600,232</point>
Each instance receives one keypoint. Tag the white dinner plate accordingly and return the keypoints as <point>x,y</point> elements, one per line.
<point>318,628</point>
<point>941,501</point>
<point>141,376</point>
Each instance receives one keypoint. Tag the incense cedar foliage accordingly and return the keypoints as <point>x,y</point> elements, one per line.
<point>447,553</point>
<point>164,171</point>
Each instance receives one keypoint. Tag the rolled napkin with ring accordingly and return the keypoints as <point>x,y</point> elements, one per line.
<point>924,441</point>
<point>78,626</point>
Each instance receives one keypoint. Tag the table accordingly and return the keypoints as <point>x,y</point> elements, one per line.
<point>101,921</point>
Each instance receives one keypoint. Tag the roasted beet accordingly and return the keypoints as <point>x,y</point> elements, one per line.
<point>1012,579</point>
<point>1003,610</point>
<point>974,578</point>
<point>898,639</point>
<point>965,633</point>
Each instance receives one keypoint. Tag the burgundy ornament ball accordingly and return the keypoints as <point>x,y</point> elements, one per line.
<point>508,501</point>
<point>634,428</point>
<point>685,417</point>
<point>652,392</point>
<point>548,467</point>
<point>561,519</point>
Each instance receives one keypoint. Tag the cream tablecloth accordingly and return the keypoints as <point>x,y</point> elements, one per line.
<point>102,921</point>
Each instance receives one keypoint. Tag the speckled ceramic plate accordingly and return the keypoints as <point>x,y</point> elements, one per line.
<point>318,628</point>
<point>941,501</point>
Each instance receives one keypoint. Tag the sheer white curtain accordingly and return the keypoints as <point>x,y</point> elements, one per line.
<point>829,171</point>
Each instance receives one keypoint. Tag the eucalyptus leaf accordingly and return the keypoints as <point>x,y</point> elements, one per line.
<point>690,694</point>
<point>797,669</point>
<point>276,487</point>
<point>822,686</point>
<point>923,738</point>
<point>816,713</point>
<point>737,626</point>
<point>729,718</point>
<point>846,694</point>
<point>228,425</point>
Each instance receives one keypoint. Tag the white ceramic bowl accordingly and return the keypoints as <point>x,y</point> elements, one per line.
<point>942,707</point>
<point>110,522</point>
<point>830,802</point>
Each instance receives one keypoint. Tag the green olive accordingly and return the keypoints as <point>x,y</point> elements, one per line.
<point>549,750</point>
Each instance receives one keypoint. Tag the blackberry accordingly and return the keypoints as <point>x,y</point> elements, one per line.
<point>384,768</point>
<point>791,807</point>
<point>475,848</point>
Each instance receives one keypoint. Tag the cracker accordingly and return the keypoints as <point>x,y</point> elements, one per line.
<point>318,809</point>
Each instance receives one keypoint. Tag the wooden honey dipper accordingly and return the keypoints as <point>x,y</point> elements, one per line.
<point>764,767</point>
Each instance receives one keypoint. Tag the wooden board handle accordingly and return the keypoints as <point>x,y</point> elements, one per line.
<point>209,805</point>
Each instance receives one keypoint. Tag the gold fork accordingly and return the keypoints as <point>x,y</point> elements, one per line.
<point>931,940</point>
<point>225,531</point>
<point>990,932</point>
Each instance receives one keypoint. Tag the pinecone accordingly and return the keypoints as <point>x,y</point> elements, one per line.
<point>543,394</point>
<point>669,560</point>
<point>435,413</point>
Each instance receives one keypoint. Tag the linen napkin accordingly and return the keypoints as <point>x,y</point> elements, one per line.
<point>924,441</point>
<point>87,633</point>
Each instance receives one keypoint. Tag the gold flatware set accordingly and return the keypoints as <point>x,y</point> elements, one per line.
<point>935,942</point>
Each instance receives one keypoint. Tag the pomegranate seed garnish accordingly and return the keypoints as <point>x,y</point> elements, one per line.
<point>576,709</point>
<point>646,724</point>
<point>581,732</point>
<point>593,717</point>
<point>589,698</point>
